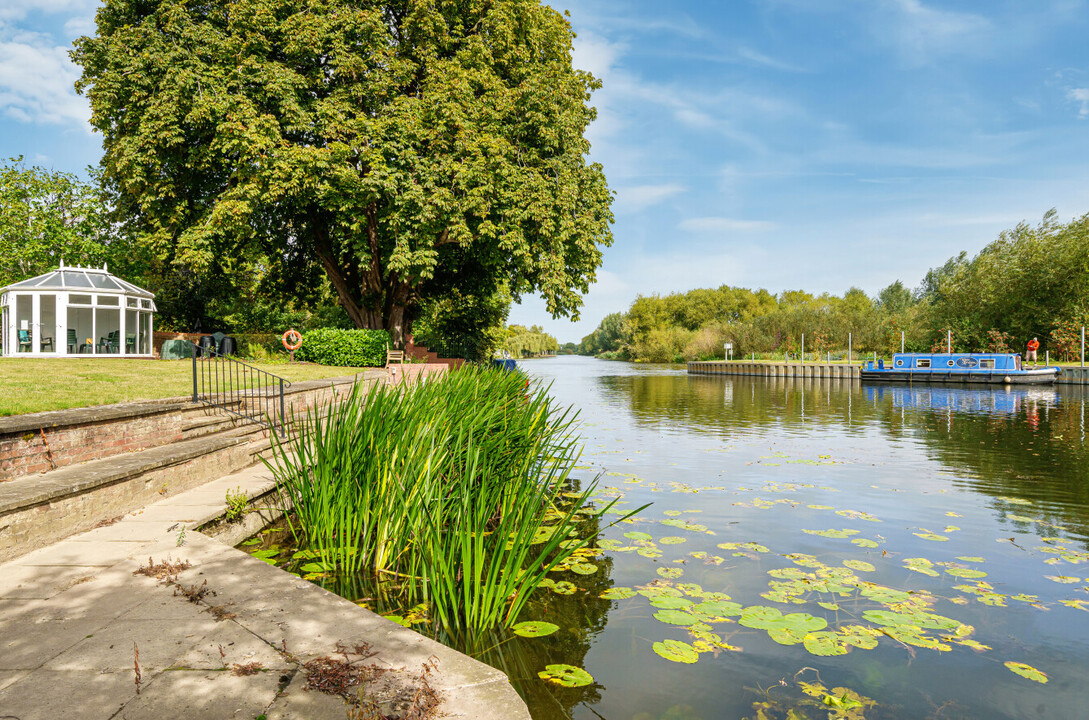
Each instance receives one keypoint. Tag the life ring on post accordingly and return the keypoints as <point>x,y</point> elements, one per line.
<point>292,340</point>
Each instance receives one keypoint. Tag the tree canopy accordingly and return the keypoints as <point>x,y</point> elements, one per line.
<point>406,149</point>
<point>46,217</point>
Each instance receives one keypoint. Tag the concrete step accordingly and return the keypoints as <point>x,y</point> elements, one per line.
<point>36,510</point>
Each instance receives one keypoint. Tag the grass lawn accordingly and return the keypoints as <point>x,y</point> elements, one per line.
<point>38,384</point>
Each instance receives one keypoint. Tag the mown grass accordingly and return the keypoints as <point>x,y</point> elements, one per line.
<point>39,384</point>
<point>456,489</point>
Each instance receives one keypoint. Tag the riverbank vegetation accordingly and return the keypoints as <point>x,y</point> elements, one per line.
<point>1033,281</point>
<point>457,492</point>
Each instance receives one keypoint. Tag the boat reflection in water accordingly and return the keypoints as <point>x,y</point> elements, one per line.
<point>1000,401</point>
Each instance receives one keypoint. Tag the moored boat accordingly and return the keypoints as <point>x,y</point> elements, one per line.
<point>987,368</point>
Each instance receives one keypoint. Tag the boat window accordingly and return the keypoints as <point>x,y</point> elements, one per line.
<point>950,363</point>
<point>987,363</point>
<point>922,362</point>
<point>899,363</point>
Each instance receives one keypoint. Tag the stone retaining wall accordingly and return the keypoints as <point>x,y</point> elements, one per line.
<point>797,370</point>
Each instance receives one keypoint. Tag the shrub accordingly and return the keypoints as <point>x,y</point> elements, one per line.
<point>345,348</point>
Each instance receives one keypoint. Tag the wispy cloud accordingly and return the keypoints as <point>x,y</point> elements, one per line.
<point>642,197</point>
<point>924,32</point>
<point>1080,96</point>
<point>36,81</point>
<point>723,225</point>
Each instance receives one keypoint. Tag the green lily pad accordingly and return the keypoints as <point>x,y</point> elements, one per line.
<point>1064,579</point>
<point>921,565</point>
<point>786,636</point>
<point>840,534</point>
<point>316,567</point>
<point>583,568</point>
<point>864,542</point>
<point>860,565</point>
<point>970,558</point>
<point>1026,671</point>
<point>670,572</point>
<point>968,573</point>
<point>671,603</point>
<point>617,593</point>
<point>253,541</point>
<point>761,617</point>
<point>676,651</point>
<point>564,588</point>
<point>566,675</point>
<point>676,617</point>
<point>639,536</point>
<point>717,608</point>
<point>825,644</point>
<point>672,540</point>
<point>534,628</point>
<point>929,535</point>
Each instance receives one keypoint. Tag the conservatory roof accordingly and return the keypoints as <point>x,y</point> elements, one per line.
<point>80,279</point>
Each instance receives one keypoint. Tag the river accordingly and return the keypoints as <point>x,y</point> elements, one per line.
<point>962,516</point>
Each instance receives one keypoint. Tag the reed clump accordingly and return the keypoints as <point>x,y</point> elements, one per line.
<point>456,489</point>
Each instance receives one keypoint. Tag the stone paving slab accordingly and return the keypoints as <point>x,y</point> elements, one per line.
<point>73,614</point>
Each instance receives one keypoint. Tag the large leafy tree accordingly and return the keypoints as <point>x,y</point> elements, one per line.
<point>47,217</point>
<point>408,148</point>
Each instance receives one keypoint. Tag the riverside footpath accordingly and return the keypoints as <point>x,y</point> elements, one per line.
<point>148,617</point>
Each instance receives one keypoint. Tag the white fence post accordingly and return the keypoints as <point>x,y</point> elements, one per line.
<point>848,348</point>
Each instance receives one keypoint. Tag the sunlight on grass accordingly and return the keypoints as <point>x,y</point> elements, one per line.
<point>35,385</point>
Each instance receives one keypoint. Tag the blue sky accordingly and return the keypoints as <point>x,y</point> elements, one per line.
<point>776,143</point>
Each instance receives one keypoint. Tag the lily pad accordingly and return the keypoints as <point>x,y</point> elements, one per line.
<point>534,628</point>
<point>825,644</point>
<point>566,675</point>
<point>929,535</point>
<point>584,568</point>
<point>676,651</point>
<point>1026,671</point>
<point>860,565</point>
<point>676,617</point>
<point>672,540</point>
<point>564,588</point>
<point>617,593</point>
<point>968,573</point>
<point>761,617</point>
<point>253,541</point>
<point>864,542</point>
<point>671,603</point>
<point>786,636</point>
<point>670,572</point>
<point>639,536</point>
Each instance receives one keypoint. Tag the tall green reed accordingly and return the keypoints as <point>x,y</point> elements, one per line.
<point>450,487</point>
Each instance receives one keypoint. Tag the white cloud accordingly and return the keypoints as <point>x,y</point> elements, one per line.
<point>640,197</point>
<point>1080,95</point>
<point>36,81</point>
<point>922,31</point>
<point>724,225</point>
<point>594,54</point>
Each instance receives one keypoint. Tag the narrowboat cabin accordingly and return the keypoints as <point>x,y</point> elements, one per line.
<point>989,368</point>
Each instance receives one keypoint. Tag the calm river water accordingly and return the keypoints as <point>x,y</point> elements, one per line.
<point>962,516</point>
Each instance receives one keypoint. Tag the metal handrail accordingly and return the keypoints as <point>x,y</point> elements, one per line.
<point>239,389</point>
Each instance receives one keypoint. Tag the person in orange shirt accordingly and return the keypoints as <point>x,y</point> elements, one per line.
<point>1033,346</point>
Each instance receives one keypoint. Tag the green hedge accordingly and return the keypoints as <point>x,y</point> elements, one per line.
<point>345,348</point>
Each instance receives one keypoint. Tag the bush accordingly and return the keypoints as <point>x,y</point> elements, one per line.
<point>345,348</point>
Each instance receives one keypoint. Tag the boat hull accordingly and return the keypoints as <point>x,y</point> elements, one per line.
<point>1038,376</point>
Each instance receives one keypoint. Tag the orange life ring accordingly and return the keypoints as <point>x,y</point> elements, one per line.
<point>292,340</point>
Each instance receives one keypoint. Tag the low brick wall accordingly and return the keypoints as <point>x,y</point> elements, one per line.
<point>39,442</point>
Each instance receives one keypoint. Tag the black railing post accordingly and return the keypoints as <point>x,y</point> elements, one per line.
<point>194,373</point>
<point>283,420</point>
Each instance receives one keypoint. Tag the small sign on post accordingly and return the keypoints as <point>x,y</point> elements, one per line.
<point>729,348</point>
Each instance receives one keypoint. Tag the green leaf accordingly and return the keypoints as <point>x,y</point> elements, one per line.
<point>676,617</point>
<point>566,675</point>
<point>860,565</point>
<point>534,628</point>
<point>761,617</point>
<point>676,651</point>
<point>825,644</point>
<point>639,536</point>
<point>968,573</point>
<point>583,568</point>
<point>564,588</point>
<point>1026,671</point>
<point>617,593</point>
<point>252,541</point>
<point>670,572</point>
<point>671,603</point>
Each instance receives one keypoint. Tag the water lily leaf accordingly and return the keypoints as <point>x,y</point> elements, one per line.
<point>859,565</point>
<point>864,542</point>
<point>684,525</point>
<point>859,636</point>
<point>970,558</point>
<point>266,554</point>
<point>857,515</point>
<point>671,603</point>
<point>820,507</point>
<point>670,572</point>
<point>617,593</point>
<point>563,587</point>
<point>672,513</point>
<point>1064,579</point>
<point>914,636</point>
<point>676,651</point>
<point>566,675</point>
<point>639,536</point>
<point>887,618</point>
<point>761,617</point>
<point>252,541</point>
<point>928,535</point>
<point>649,552</point>
<point>825,644</point>
<point>829,606</point>
<point>534,628</point>
<point>672,540</point>
<point>316,567</point>
<point>1026,671</point>
<point>654,591</point>
<point>786,636</point>
<point>676,617</point>
<point>840,534</point>
<point>790,573</point>
<point>967,573</point>
<point>717,608</point>
<point>397,619</point>
<point>584,568</point>
<point>921,565</point>
<point>1014,501</point>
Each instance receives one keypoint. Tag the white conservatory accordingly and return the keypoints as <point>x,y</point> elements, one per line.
<point>79,312</point>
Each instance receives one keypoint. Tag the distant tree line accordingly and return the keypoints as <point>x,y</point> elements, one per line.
<point>523,342</point>
<point>1030,282</point>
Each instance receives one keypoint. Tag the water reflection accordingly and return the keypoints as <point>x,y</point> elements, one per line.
<point>977,401</point>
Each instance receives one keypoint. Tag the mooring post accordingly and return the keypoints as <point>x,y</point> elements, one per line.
<point>1047,357</point>
<point>949,341</point>
<point>1083,346</point>
<point>848,348</point>
<point>803,347</point>
<point>901,341</point>
<point>195,373</point>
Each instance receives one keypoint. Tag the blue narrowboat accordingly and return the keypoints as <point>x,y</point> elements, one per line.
<point>991,368</point>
